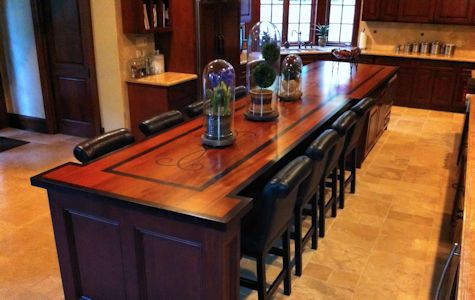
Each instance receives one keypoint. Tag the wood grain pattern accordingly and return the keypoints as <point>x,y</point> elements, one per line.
<point>210,179</point>
<point>466,288</point>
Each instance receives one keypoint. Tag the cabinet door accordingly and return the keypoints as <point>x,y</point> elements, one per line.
<point>245,11</point>
<point>420,11</point>
<point>371,10</point>
<point>389,10</point>
<point>373,129</point>
<point>454,11</point>
<point>403,86</point>
<point>443,90</point>
<point>422,88</point>
<point>458,102</point>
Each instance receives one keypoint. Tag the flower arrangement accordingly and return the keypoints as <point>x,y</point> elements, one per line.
<point>290,80</point>
<point>219,93</point>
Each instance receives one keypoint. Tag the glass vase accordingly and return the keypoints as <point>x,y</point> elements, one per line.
<point>291,73</point>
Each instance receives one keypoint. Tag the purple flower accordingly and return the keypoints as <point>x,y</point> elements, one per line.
<point>213,80</point>
<point>225,76</point>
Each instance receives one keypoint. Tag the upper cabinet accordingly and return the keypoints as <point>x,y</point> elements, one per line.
<point>454,11</point>
<point>420,11</point>
<point>144,16</point>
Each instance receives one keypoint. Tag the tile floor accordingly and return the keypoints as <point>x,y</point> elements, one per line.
<point>388,243</point>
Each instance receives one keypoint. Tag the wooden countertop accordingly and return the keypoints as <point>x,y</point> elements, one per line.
<point>466,289</point>
<point>459,56</point>
<point>166,79</point>
<point>175,173</point>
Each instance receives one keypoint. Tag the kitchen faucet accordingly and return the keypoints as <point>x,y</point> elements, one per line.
<point>299,36</point>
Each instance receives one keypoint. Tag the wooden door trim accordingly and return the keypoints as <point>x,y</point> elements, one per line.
<point>43,65</point>
<point>45,73</point>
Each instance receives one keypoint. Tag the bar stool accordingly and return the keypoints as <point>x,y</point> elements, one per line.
<point>196,108</point>
<point>318,152</point>
<point>345,126</point>
<point>240,91</point>
<point>269,221</point>
<point>161,122</point>
<point>361,110</point>
<point>103,144</point>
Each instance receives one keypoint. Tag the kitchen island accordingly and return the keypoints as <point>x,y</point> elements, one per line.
<point>161,218</point>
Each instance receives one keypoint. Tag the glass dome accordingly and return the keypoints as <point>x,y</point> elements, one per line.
<point>218,108</point>
<point>262,71</point>
<point>291,72</point>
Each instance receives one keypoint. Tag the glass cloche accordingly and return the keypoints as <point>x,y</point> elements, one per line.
<point>262,72</point>
<point>218,108</point>
<point>291,71</point>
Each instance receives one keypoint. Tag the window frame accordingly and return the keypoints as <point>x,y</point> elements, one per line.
<point>320,15</point>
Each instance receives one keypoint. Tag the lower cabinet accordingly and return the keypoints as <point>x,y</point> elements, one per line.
<point>147,101</point>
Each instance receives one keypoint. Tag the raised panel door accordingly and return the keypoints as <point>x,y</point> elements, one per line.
<point>454,11</point>
<point>458,102</point>
<point>443,90</point>
<point>420,11</point>
<point>371,10</point>
<point>389,10</point>
<point>403,86</point>
<point>422,88</point>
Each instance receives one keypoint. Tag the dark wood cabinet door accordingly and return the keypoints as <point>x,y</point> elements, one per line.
<point>443,89</point>
<point>422,88</point>
<point>371,10</point>
<point>389,10</point>
<point>403,86</point>
<point>454,11</point>
<point>373,129</point>
<point>71,59</point>
<point>246,11</point>
<point>419,11</point>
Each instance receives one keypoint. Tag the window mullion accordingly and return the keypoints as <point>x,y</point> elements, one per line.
<point>285,21</point>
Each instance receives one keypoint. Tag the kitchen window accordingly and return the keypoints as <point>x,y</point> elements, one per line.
<point>298,17</point>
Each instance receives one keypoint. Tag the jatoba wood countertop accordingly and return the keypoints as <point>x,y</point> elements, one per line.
<point>466,289</point>
<point>174,172</point>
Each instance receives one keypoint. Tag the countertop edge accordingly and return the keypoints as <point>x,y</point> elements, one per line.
<point>454,58</point>
<point>147,80</point>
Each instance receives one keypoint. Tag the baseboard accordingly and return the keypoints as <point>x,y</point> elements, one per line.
<point>27,123</point>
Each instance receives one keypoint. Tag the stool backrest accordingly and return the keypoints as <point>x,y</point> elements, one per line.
<point>161,122</point>
<point>361,109</point>
<point>103,144</point>
<point>273,211</point>
<point>194,109</point>
<point>363,106</point>
<point>240,91</point>
<point>318,151</point>
<point>345,125</point>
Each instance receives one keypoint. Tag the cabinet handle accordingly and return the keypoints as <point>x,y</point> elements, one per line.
<point>454,252</point>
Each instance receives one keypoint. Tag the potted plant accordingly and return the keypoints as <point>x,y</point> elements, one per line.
<point>218,107</point>
<point>291,71</point>
<point>262,72</point>
<point>322,33</point>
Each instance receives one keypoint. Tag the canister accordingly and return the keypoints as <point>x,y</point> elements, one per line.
<point>416,47</point>
<point>449,49</point>
<point>408,48</point>
<point>435,48</point>
<point>425,48</point>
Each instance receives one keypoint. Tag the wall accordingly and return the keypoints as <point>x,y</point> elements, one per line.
<point>113,49</point>
<point>385,35</point>
<point>21,62</point>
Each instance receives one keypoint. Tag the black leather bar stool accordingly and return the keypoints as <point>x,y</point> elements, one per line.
<point>330,170</point>
<point>318,152</point>
<point>361,110</point>
<point>103,144</point>
<point>240,91</point>
<point>161,122</point>
<point>269,221</point>
<point>345,126</point>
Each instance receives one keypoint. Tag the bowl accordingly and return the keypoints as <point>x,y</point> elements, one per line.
<point>346,54</point>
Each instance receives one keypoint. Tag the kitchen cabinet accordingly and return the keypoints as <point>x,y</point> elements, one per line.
<point>420,11</point>
<point>422,88</point>
<point>454,11</point>
<point>371,10</point>
<point>460,89</point>
<point>443,89</point>
<point>403,86</point>
<point>246,11</point>
<point>389,10</point>
<point>146,16</point>
<point>147,101</point>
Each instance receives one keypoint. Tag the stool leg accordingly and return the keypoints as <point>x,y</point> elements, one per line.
<point>286,262</point>
<point>314,222</point>
<point>353,171</point>
<point>298,240</point>
<point>261,277</point>
<point>321,207</point>
<point>334,192</point>
<point>342,181</point>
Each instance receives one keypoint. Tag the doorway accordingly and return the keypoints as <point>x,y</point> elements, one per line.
<point>3,106</point>
<point>63,33</point>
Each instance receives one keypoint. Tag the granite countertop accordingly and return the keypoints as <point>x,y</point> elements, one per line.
<point>459,56</point>
<point>303,51</point>
<point>166,79</point>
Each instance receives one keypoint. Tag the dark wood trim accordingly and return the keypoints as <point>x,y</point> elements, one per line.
<point>27,123</point>
<point>43,65</point>
<point>3,106</point>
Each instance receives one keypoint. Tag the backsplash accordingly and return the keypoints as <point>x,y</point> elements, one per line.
<point>385,35</point>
